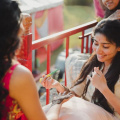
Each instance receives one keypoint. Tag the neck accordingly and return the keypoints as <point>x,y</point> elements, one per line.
<point>106,67</point>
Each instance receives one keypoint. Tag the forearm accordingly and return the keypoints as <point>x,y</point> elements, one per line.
<point>113,100</point>
<point>53,112</point>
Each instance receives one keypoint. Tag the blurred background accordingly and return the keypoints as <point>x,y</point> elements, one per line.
<point>72,14</point>
<point>52,16</point>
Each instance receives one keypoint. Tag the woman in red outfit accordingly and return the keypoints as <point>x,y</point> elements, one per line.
<point>18,91</point>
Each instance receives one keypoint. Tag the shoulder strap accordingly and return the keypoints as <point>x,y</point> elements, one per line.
<point>7,77</point>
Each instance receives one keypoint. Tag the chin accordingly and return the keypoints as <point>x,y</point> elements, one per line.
<point>110,7</point>
<point>100,60</point>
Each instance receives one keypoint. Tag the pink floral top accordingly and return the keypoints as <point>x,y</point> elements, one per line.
<point>14,111</point>
<point>98,10</point>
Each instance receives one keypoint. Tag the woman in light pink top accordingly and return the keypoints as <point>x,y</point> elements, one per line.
<point>98,85</point>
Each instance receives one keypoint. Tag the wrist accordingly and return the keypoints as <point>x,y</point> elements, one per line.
<point>59,87</point>
<point>104,89</point>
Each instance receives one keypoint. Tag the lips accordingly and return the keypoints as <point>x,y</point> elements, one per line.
<point>109,4</point>
<point>101,56</point>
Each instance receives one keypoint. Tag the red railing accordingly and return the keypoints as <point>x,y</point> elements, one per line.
<point>29,45</point>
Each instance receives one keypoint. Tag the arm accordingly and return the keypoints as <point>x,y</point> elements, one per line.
<point>114,16</point>
<point>111,98</point>
<point>99,81</point>
<point>23,89</point>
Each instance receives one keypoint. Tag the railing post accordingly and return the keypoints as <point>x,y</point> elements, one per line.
<point>48,70</point>
<point>87,44</point>
<point>67,53</point>
<point>67,46</point>
<point>25,53</point>
<point>90,46</point>
<point>82,42</point>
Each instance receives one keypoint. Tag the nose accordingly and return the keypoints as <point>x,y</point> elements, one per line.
<point>98,50</point>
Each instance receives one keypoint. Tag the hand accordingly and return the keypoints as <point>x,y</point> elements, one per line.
<point>49,82</point>
<point>115,15</point>
<point>98,79</point>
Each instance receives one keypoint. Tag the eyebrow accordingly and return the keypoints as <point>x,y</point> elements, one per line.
<point>102,43</point>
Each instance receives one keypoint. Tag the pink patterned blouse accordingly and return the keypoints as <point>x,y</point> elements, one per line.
<point>98,10</point>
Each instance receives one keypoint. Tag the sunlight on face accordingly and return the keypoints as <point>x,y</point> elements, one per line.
<point>104,50</point>
<point>110,4</point>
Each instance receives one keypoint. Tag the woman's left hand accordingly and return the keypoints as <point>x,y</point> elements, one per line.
<point>98,79</point>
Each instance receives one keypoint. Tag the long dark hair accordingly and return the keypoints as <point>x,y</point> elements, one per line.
<point>109,12</point>
<point>111,30</point>
<point>9,41</point>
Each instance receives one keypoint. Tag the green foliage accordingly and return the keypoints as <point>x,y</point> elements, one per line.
<point>78,2</point>
<point>74,16</point>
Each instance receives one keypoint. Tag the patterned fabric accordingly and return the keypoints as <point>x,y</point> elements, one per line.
<point>98,9</point>
<point>79,109</point>
<point>73,66</point>
<point>14,111</point>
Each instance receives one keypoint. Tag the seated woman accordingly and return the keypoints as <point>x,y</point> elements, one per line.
<point>98,84</point>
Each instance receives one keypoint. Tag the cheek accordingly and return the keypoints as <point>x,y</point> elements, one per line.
<point>94,47</point>
<point>110,52</point>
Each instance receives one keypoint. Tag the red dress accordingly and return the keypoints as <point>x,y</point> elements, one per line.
<point>13,109</point>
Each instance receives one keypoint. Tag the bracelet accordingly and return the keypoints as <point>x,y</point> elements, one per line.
<point>66,89</point>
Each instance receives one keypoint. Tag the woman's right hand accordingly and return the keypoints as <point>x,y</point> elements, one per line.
<point>49,82</point>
